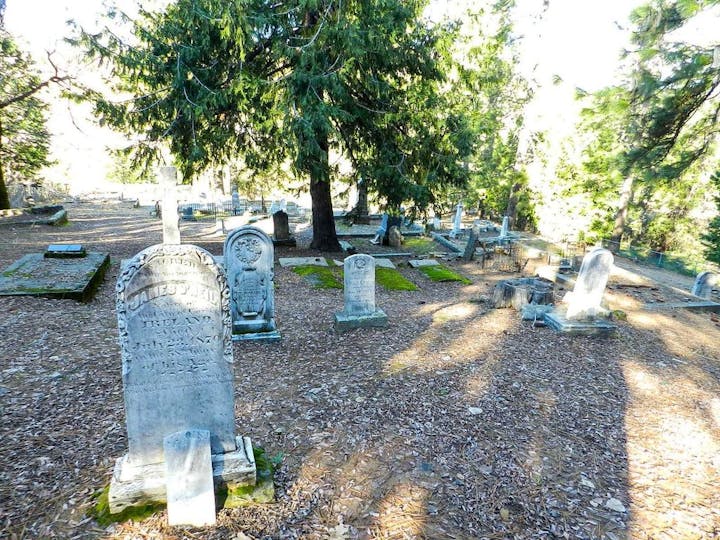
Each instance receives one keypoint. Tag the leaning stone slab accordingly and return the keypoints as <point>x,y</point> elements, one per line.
<point>65,251</point>
<point>52,277</point>
<point>286,262</point>
<point>704,284</point>
<point>359,294</point>
<point>419,263</point>
<point>189,478</point>
<point>173,307</point>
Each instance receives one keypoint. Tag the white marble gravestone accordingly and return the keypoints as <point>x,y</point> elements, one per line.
<point>189,479</point>
<point>249,258</point>
<point>704,284</point>
<point>359,295</point>
<point>173,308</point>
<point>457,222</point>
<point>582,312</point>
<point>505,227</point>
<point>170,219</point>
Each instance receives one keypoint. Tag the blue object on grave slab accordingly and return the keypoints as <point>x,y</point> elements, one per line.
<point>65,251</point>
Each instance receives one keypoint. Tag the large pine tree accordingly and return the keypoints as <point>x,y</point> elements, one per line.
<point>273,81</point>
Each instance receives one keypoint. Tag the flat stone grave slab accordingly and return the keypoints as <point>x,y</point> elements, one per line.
<point>381,262</point>
<point>558,321</point>
<point>37,275</point>
<point>286,262</point>
<point>66,251</point>
<point>418,263</point>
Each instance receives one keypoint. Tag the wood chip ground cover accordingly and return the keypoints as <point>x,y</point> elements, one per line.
<point>455,421</point>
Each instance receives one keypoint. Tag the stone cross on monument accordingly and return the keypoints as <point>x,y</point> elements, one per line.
<point>171,226</point>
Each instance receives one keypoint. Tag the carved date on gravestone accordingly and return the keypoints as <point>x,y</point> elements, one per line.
<point>173,316</point>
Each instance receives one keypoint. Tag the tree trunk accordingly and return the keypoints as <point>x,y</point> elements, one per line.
<point>626,192</point>
<point>323,222</point>
<point>511,211</point>
<point>4,197</point>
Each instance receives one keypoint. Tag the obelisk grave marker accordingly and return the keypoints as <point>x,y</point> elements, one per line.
<point>173,308</point>
<point>170,219</point>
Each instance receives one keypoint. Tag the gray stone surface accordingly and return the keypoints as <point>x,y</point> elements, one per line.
<point>418,263</point>
<point>383,263</point>
<point>288,262</point>
<point>66,251</point>
<point>395,238</point>
<point>170,219</point>
<point>53,277</point>
<point>557,320</point>
<point>505,227</point>
<point>189,478</point>
<point>457,222</point>
<point>359,295</point>
<point>584,301</point>
<point>249,257</point>
<point>705,283</point>
<point>173,308</point>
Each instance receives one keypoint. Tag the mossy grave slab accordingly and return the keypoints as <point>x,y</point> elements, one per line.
<point>37,275</point>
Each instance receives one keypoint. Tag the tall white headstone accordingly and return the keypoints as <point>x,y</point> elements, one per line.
<point>359,295</point>
<point>704,284</point>
<point>584,301</point>
<point>457,222</point>
<point>173,308</point>
<point>505,227</point>
<point>249,259</point>
<point>170,218</point>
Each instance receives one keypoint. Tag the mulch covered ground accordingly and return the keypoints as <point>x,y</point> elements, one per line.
<point>455,421</point>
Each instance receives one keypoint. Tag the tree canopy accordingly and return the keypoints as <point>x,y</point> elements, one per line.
<point>291,81</point>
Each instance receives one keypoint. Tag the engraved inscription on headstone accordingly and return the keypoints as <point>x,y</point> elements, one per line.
<point>173,307</point>
<point>249,258</point>
<point>359,284</point>
<point>177,365</point>
<point>359,295</point>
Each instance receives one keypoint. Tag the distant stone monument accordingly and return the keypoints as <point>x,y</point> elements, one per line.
<point>704,284</point>
<point>359,295</point>
<point>581,312</point>
<point>395,237</point>
<point>281,230</point>
<point>171,223</point>
<point>381,231</point>
<point>235,202</point>
<point>505,227</point>
<point>457,222</point>
<point>173,308</point>
<point>249,258</point>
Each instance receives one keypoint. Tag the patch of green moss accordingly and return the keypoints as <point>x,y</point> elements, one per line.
<point>100,511</point>
<point>419,244</point>
<point>321,277</point>
<point>393,280</point>
<point>441,273</point>
<point>262,492</point>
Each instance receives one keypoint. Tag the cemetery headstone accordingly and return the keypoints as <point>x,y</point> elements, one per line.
<point>189,478</point>
<point>281,230</point>
<point>395,238</point>
<point>235,202</point>
<point>505,227</point>
<point>704,284</point>
<point>359,295</point>
<point>457,222</point>
<point>249,257</point>
<point>173,308</point>
<point>171,226</point>
<point>581,312</point>
<point>469,252</point>
<point>381,231</point>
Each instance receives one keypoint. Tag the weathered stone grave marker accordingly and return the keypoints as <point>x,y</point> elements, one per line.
<point>505,227</point>
<point>704,284</point>
<point>171,223</point>
<point>281,229</point>
<point>249,258</point>
<point>457,222</point>
<point>173,308</point>
<point>359,295</point>
<point>581,312</point>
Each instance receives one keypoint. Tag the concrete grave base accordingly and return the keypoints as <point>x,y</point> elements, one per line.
<point>344,322</point>
<point>270,335</point>
<point>37,275</point>
<point>595,327</point>
<point>139,485</point>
